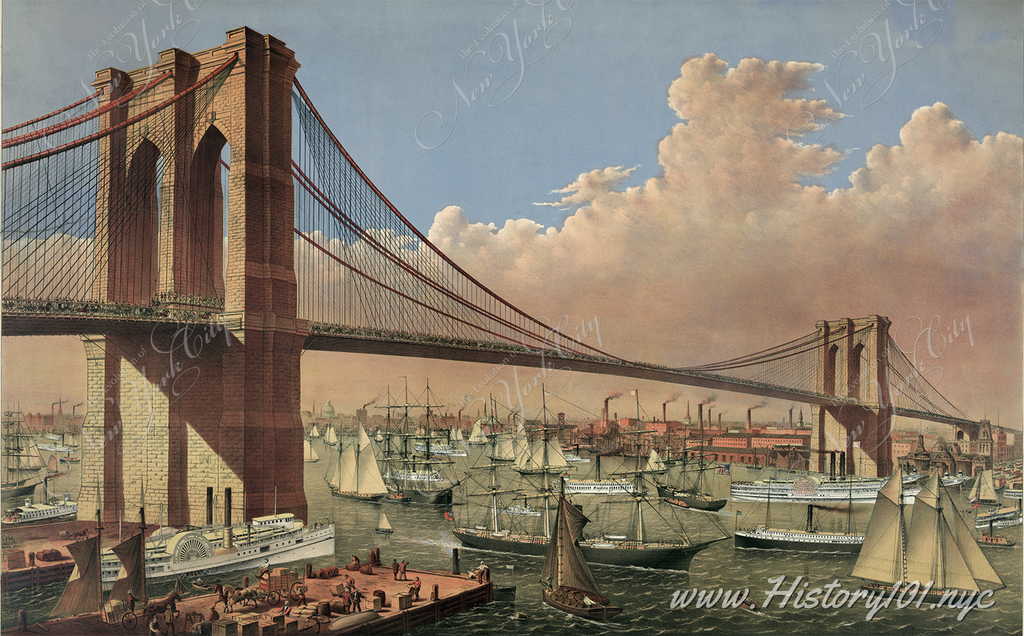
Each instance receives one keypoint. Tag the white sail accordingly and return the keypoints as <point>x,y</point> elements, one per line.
<point>503,449</point>
<point>314,431</point>
<point>345,471</point>
<point>939,546</point>
<point>655,463</point>
<point>476,434</point>
<point>331,438</point>
<point>988,487</point>
<point>382,522</point>
<point>520,442</point>
<point>356,470</point>
<point>881,556</point>
<point>308,452</point>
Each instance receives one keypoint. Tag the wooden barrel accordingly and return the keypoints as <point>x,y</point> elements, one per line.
<point>323,608</point>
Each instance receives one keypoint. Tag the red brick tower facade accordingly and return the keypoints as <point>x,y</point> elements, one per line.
<point>214,403</point>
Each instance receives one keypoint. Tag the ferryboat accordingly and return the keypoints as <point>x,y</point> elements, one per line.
<point>191,553</point>
<point>31,514</point>
<point>808,489</point>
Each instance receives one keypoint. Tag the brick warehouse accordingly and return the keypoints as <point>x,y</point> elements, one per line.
<point>213,404</point>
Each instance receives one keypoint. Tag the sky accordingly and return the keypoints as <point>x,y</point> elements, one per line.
<point>688,181</point>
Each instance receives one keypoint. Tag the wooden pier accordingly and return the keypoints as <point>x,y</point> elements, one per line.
<point>387,607</point>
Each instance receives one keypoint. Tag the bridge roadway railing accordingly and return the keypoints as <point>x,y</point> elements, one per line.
<point>189,309</point>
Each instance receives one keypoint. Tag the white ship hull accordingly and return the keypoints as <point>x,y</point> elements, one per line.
<point>269,549</point>
<point>599,487</point>
<point>807,490</point>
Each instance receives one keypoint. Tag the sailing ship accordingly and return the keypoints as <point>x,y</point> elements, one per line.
<point>483,427</point>
<point>308,452</point>
<point>22,461</point>
<point>506,445</point>
<point>536,469</point>
<point>83,593</point>
<point>984,489</point>
<point>935,548</point>
<point>696,494</point>
<point>331,437</point>
<point>356,475</point>
<point>569,585</point>
<point>383,525</point>
<point>412,477</point>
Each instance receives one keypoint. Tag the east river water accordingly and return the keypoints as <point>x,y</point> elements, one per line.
<point>422,536</point>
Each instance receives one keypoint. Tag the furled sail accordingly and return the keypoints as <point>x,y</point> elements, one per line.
<point>82,594</point>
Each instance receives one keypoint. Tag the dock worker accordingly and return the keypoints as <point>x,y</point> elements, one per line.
<point>415,589</point>
<point>394,568</point>
<point>154,627</point>
<point>214,615</point>
<point>130,600</point>
<point>401,571</point>
<point>346,601</point>
<point>286,610</point>
<point>357,600</point>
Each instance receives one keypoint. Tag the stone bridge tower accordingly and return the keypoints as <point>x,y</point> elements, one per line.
<point>853,366</point>
<point>177,409</point>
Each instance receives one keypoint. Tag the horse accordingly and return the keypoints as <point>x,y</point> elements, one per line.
<point>243,595</point>
<point>158,607</point>
<point>222,595</point>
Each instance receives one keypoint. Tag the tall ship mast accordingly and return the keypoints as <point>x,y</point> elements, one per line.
<point>540,471</point>
<point>934,546</point>
<point>22,461</point>
<point>420,478</point>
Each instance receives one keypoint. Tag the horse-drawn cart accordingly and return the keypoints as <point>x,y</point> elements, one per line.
<point>283,582</point>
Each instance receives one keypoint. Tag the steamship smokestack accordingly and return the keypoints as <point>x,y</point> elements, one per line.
<point>209,505</point>
<point>227,518</point>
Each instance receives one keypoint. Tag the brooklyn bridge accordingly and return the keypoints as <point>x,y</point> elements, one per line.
<point>193,321</point>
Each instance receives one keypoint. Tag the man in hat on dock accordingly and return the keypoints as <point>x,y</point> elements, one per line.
<point>401,571</point>
<point>130,601</point>
<point>357,600</point>
<point>415,589</point>
<point>394,568</point>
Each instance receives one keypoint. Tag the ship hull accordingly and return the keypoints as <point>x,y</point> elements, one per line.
<point>799,542</point>
<point>435,497</point>
<point>307,544</point>
<point>656,557</point>
<point>357,496</point>
<point>689,500</point>
<point>595,612</point>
